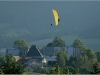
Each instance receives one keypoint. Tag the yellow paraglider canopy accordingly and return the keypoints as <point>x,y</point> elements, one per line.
<point>56,16</point>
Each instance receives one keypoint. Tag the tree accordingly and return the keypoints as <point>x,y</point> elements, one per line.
<point>43,70</point>
<point>66,70</point>
<point>85,61</point>
<point>71,69</point>
<point>76,71</point>
<point>91,57</point>
<point>52,71</point>
<point>91,54</point>
<point>2,60</point>
<point>98,55</point>
<point>57,42</point>
<point>1,63</point>
<point>10,66</point>
<point>56,70</point>
<point>84,70</point>
<point>72,62</point>
<point>79,43</point>
<point>82,60</point>
<point>62,58</point>
<point>20,44</point>
<point>95,69</point>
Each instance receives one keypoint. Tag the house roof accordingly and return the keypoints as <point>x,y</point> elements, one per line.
<point>34,52</point>
<point>13,52</point>
<point>51,51</point>
<point>25,65</point>
<point>48,51</point>
<point>52,58</point>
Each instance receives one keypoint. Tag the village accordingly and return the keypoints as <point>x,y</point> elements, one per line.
<point>34,58</point>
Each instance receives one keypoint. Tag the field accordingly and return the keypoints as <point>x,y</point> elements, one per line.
<point>93,44</point>
<point>30,73</point>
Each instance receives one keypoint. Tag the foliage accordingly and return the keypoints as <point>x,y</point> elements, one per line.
<point>71,69</point>
<point>84,61</point>
<point>76,71</point>
<point>56,70</point>
<point>10,66</point>
<point>84,70</point>
<point>20,44</point>
<point>91,54</point>
<point>72,62</point>
<point>98,55</point>
<point>95,69</point>
<point>62,58</point>
<point>43,70</point>
<point>57,42</point>
<point>2,60</point>
<point>66,70</point>
<point>79,43</point>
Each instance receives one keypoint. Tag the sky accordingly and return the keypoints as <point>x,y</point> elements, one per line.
<point>38,14</point>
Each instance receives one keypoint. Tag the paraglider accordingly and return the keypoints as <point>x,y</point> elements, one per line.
<point>56,17</point>
<point>51,24</point>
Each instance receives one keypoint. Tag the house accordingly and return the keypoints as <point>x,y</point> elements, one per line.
<point>23,51</point>
<point>51,52</point>
<point>77,51</point>
<point>18,52</point>
<point>33,59</point>
<point>16,58</point>
<point>13,51</point>
<point>32,65</point>
<point>34,52</point>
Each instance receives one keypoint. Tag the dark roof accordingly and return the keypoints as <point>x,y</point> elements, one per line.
<point>48,51</point>
<point>34,52</point>
<point>13,52</point>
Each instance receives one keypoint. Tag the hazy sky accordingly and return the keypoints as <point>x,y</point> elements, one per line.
<point>39,14</point>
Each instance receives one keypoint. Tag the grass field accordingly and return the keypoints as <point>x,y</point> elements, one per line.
<point>30,73</point>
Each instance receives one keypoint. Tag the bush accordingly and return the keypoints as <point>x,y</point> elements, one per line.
<point>43,70</point>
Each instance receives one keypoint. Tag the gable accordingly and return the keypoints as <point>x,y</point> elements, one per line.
<point>34,52</point>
